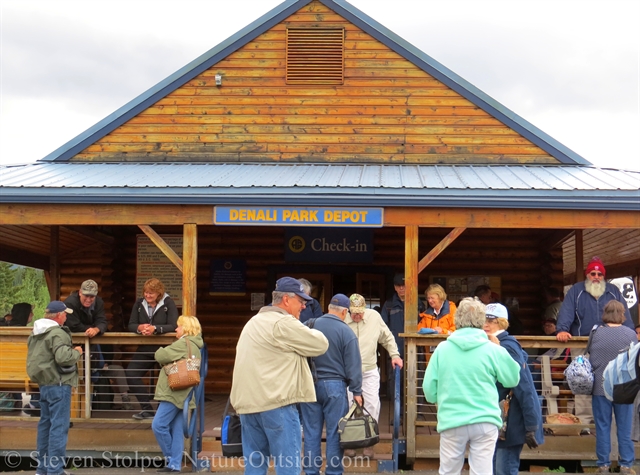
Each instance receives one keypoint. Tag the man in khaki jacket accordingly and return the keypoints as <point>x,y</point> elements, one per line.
<point>370,329</point>
<point>271,375</point>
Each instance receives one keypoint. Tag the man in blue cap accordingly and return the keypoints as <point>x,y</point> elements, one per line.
<point>271,375</point>
<point>337,369</point>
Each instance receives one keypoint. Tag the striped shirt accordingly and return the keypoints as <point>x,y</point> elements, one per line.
<point>607,343</point>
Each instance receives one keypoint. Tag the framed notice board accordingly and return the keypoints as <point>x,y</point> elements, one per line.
<point>459,286</point>
<point>151,262</point>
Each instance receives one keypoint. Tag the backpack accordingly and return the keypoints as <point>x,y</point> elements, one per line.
<point>231,433</point>
<point>579,373</point>
<point>620,378</point>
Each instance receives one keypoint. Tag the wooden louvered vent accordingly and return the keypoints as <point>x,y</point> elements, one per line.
<point>315,55</point>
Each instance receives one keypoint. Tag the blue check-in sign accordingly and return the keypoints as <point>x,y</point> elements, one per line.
<point>298,216</point>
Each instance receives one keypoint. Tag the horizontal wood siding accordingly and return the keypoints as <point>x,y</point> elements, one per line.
<point>387,111</point>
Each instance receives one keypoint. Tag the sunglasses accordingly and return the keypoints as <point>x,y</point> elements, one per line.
<point>596,274</point>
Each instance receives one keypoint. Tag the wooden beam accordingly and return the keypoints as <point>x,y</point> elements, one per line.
<point>510,218</point>
<point>411,279</point>
<point>441,246</point>
<point>105,214</point>
<point>162,245</point>
<point>54,263</point>
<point>79,214</point>
<point>579,254</point>
<point>189,274</point>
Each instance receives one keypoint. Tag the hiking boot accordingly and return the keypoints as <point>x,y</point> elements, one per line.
<point>126,403</point>
<point>603,469</point>
<point>143,415</point>
<point>627,471</point>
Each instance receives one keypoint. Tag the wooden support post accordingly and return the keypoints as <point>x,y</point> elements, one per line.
<point>441,246</point>
<point>162,245</point>
<point>54,263</point>
<point>411,279</point>
<point>190,269</point>
<point>579,255</point>
<point>410,326</point>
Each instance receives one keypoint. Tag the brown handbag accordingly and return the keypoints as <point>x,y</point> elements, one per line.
<point>184,373</point>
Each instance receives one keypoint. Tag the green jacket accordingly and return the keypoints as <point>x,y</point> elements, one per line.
<point>48,344</point>
<point>175,351</point>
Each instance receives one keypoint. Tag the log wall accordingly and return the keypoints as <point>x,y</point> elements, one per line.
<point>515,256</point>
<point>386,111</point>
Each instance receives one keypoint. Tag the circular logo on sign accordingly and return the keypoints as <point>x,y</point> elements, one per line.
<point>297,244</point>
<point>228,265</point>
<point>625,284</point>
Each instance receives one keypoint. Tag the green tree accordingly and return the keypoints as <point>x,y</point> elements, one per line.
<point>33,290</point>
<point>7,287</point>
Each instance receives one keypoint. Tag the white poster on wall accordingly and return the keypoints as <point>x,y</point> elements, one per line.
<point>625,284</point>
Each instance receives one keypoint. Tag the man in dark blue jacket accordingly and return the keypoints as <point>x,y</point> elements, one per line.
<point>581,310</point>
<point>338,369</point>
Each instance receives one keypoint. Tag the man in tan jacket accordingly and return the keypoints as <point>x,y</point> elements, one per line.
<point>271,375</point>
<point>370,329</point>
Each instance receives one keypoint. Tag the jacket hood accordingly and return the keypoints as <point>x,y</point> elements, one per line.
<point>196,340</point>
<point>468,338</point>
<point>158,305</point>
<point>43,325</point>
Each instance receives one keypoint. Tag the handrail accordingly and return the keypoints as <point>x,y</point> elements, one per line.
<point>396,418</point>
<point>193,427</point>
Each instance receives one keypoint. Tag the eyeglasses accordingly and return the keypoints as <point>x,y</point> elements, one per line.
<point>89,296</point>
<point>596,274</point>
<point>301,301</point>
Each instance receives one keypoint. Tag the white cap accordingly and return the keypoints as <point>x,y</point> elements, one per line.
<point>497,310</point>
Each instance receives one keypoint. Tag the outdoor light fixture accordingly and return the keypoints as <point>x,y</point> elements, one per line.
<point>218,80</point>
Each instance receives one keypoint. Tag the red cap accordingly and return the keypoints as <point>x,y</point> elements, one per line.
<point>595,264</point>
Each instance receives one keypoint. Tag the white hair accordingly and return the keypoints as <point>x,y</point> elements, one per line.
<point>470,313</point>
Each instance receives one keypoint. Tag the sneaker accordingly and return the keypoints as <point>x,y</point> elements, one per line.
<point>143,415</point>
<point>627,470</point>
<point>603,469</point>
<point>126,403</point>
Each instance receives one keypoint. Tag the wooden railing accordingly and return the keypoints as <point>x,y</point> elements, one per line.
<point>420,413</point>
<point>13,371</point>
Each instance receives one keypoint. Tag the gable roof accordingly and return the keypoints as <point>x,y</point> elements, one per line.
<point>358,18</point>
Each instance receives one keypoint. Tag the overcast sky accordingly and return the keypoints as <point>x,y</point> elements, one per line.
<point>569,67</point>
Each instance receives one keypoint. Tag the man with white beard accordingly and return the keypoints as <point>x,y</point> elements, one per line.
<point>583,305</point>
<point>581,311</point>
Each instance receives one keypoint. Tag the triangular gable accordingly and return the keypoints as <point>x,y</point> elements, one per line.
<point>357,18</point>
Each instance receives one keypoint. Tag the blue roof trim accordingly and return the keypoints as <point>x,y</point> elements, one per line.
<point>176,80</point>
<point>357,17</point>
<point>455,82</point>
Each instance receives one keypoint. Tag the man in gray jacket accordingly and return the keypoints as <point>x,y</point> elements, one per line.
<point>51,362</point>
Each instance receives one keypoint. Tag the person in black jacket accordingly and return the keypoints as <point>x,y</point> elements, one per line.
<point>153,314</point>
<point>88,315</point>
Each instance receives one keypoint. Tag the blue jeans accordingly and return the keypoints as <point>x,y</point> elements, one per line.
<point>332,404</point>
<point>167,427</point>
<point>602,412</point>
<point>53,428</point>
<point>506,460</point>
<point>272,433</point>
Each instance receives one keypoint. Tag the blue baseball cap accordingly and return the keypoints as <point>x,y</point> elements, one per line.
<point>340,300</point>
<point>56,307</point>
<point>289,284</point>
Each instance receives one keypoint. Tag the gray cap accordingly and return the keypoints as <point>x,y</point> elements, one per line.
<point>89,287</point>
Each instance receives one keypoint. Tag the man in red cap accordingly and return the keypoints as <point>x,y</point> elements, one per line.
<point>583,305</point>
<point>581,311</point>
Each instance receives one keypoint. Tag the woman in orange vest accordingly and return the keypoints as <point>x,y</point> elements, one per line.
<point>440,311</point>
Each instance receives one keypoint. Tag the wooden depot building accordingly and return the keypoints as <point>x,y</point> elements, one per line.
<point>314,143</point>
